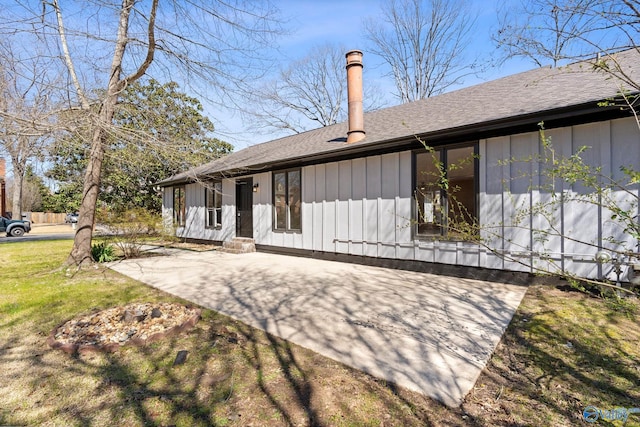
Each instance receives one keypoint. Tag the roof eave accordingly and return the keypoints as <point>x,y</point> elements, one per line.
<point>523,123</point>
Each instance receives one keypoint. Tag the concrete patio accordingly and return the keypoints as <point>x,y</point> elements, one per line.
<point>429,333</point>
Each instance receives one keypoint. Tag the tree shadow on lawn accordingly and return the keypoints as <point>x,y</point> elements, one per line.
<point>234,375</point>
<point>313,390</point>
<point>563,351</point>
<point>138,394</point>
<point>295,376</point>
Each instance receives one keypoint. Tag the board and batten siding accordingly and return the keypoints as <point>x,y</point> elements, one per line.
<point>509,187</point>
<point>364,206</point>
<point>349,207</point>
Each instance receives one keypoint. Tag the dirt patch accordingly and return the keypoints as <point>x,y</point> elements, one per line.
<point>137,324</point>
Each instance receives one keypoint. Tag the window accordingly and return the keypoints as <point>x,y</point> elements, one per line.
<point>286,200</point>
<point>178,206</point>
<point>213,203</point>
<point>445,191</point>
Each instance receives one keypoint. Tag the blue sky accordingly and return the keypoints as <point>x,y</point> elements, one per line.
<point>316,22</point>
<point>341,22</point>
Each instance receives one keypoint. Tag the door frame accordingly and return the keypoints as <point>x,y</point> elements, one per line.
<point>244,187</point>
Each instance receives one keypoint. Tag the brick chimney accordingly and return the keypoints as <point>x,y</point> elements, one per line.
<point>354,97</point>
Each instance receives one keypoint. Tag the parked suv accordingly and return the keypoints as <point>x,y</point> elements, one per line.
<point>14,227</point>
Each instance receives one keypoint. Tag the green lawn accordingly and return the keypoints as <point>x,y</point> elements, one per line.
<point>563,352</point>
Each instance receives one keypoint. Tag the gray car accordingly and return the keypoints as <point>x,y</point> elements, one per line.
<point>71,218</point>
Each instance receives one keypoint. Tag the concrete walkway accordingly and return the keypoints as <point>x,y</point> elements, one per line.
<point>428,333</point>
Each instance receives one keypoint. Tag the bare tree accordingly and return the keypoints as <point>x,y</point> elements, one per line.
<point>213,45</point>
<point>310,91</point>
<point>549,30</point>
<point>622,22</point>
<point>424,43</point>
<point>81,251</point>
<point>25,115</point>
<point>558,31</point>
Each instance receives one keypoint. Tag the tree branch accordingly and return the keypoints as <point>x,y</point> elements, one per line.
<point>67,57</point>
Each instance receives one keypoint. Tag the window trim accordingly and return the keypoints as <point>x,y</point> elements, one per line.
<point>210,189</point>
<point>287,228</point>
<point>179,193</point>
<point>443,234</point>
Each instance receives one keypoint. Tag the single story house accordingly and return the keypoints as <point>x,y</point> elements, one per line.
<point>370,189</point>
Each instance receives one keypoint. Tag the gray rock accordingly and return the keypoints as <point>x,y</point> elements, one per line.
<point>133,316</point>
<point>181,357</point>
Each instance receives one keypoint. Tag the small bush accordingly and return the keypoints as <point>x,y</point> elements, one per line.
<point>129,230</point>
<point>103,252</point>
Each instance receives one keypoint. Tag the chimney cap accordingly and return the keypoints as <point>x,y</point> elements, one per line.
<point>354,57</point>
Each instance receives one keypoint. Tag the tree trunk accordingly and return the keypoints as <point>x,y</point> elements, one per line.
<point>18,179</point>
<point>81,251</point>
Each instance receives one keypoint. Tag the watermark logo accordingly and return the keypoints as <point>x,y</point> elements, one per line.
<point>592,414</point>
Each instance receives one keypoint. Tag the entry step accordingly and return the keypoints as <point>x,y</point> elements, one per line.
<point>239,245</point>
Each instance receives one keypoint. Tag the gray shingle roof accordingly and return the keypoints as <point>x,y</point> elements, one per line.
<point>511,97</point>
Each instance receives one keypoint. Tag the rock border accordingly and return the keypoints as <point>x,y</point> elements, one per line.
<point>75,348</point>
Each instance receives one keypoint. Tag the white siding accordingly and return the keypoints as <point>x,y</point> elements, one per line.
<point>343,205</point>
<point>317,173</point>
<point>517,230</point>
<point>309,206</point>
<point>329,223</point>
<point>195,213</point>
<point>387,205</point>
<point>403,202</point>
<point>625,151</point>
<point>262,211</point>
<point>493,176</point>
<point>167,210</point>
<point>358,203</point>
<point>358,207</point>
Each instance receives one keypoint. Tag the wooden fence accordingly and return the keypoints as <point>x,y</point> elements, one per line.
<point>45,217</point>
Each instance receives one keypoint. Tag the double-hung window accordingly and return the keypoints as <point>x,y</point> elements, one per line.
<point>287,202</point>
<point>213,203</point>
<point>446,191</point>
<point>179,206</point>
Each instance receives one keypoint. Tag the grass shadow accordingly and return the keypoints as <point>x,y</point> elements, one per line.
<point>561,353</point>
